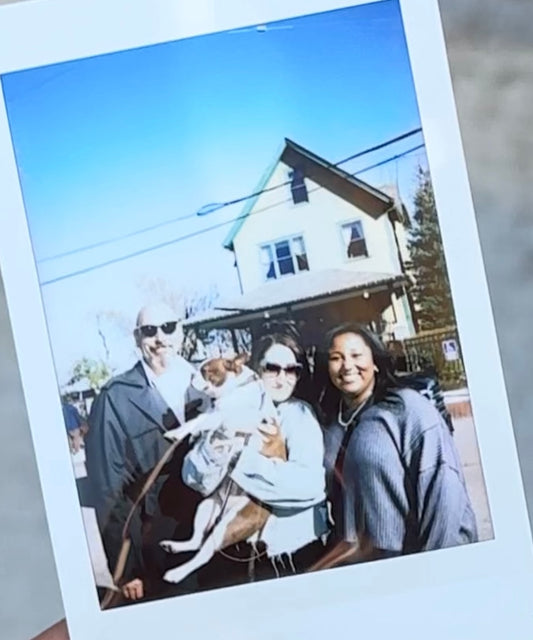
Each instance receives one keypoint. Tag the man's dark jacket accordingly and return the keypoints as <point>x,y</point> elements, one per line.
<point>125,442</point>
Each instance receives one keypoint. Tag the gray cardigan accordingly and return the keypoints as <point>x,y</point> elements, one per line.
<point>398,485</point>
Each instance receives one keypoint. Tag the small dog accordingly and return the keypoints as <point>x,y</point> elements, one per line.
<point>227,515</point>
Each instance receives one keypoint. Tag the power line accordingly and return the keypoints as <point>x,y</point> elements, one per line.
<point>211,208</point>
<point>219,225</point>
<point>123,236</point>
<point>378,147</point>
<point>396,157</point>
<point>361,171</point>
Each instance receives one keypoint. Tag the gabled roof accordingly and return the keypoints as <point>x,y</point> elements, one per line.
<point>326,175</point>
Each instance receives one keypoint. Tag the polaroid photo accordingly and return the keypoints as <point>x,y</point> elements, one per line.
<point>252,321</point>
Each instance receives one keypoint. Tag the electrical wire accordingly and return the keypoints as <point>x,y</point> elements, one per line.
<point>211,208</point>
<point>193,234</point>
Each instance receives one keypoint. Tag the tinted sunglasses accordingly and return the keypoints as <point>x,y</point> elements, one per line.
<point>149,330</point>
<point>293,370</point>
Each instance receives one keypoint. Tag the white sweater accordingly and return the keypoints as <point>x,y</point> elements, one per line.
<point>294,489</point>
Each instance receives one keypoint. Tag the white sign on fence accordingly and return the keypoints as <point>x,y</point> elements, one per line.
<point>450,348</point>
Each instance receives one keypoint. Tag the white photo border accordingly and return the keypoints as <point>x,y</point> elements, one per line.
<point>473,591</point>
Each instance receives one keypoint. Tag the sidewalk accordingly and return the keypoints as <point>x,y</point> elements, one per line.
<point>459,407</point>
<point>466,441</point>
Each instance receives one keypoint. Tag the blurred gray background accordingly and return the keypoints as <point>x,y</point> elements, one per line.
<point>490,45</point>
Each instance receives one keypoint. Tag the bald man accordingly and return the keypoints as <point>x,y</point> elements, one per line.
<point>125,442</point>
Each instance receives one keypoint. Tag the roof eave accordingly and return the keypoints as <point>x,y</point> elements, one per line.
<point>382,201</point>
<point>398,280</point>
<point>250,202</point>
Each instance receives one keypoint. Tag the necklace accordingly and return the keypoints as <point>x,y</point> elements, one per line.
<point>355,413</point>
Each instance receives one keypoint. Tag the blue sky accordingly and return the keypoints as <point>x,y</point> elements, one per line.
<point>115,143</point>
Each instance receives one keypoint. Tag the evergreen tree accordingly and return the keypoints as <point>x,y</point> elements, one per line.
<point>431,291</point>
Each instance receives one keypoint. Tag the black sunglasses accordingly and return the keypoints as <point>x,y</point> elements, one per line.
<point>294,370</point>
<point>149,330</point>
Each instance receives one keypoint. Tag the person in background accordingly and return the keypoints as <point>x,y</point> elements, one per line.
<point>125,443</point>
<point>395,480</point>
<point>76,426</point>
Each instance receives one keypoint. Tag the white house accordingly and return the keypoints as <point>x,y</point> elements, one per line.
<point>318,246</point>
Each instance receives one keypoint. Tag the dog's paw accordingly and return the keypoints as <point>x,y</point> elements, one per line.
<point>174,575</point>
<point>170,546</point>
<point>174,434</point>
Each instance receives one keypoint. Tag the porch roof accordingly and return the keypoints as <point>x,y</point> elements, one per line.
<point>305,289</point>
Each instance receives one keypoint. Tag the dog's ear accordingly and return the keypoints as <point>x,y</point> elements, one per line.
<point>239,362</point>
<point>228,364</point>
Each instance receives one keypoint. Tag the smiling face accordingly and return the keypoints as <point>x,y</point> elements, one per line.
<point>351,367</point>
<point>159,336</point>
<point>279,371</point>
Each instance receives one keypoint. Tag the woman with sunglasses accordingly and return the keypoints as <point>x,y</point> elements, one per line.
<point>395,480</point>
<point>287,475</point>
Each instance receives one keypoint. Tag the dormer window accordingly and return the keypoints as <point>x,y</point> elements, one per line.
<point>298,187</point>
<point>353,240</point>
<point>283,258</point>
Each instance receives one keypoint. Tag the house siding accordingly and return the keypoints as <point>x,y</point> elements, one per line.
<point>319,221</point>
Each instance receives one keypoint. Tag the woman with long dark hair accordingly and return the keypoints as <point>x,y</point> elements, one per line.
<point>395,481</point>
<point>287,475</point>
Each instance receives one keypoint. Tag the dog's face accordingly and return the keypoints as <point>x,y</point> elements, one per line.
<point>215,373</point>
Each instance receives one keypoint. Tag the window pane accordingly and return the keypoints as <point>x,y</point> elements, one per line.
<point>299,194</point>
<point>266,254</point>
<point>354,239</point>
<point>298,187</point>
<point>298,248</point>
<point>282,249</point>
<point>286,266</point>
<point>283,258</point>
<point>271,273</point>
<point>357,248</point>
<point>301,262</point>
<point>357,231</point>
<point>298,245</point>
<point>346,234</point>
<point>267,262</point>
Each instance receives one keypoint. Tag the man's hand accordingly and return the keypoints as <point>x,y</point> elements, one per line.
<point>133,590</point>
<point>273,442</point>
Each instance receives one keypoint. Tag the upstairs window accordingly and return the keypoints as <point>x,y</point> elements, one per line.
<point>353,240</point>
<point>298,187</point>
<point>283,258</point>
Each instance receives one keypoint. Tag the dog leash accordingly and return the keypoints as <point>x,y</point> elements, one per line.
<point>126,541</point>
<point>231,483</point>
<point>252,557</point>
<point>255,556</point>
